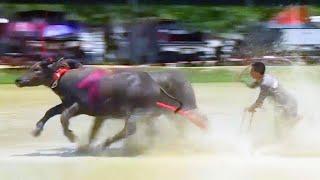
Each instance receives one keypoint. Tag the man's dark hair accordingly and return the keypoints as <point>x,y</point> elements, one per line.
<point>259,67</point>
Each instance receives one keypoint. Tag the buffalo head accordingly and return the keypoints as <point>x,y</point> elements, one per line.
<point>41,73</point>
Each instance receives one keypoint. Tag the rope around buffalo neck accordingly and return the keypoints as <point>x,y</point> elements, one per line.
<point>57,76</point>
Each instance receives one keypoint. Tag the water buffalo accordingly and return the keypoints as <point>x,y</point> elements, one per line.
<point>99,93</point>
<point>176,84</point>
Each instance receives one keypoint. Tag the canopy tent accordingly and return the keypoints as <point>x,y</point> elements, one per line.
<point>291,17</point>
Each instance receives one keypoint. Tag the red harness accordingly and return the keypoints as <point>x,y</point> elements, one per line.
<point>188,114</point>
<point>57,76</point>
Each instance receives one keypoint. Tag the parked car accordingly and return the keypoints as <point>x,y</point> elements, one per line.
<point>156,40</point>
<point>178,43</point>
<point>36,34</point>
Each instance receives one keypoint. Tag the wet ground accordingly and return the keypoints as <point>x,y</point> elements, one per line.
<point>224,152</point>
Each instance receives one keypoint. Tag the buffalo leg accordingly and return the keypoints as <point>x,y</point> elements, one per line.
<point>95,128</point>
<point>50,113</point>
<point>65,117</point>
<point>128,129</point>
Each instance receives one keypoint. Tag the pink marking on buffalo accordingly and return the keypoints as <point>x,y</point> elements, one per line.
<point>91,82</point>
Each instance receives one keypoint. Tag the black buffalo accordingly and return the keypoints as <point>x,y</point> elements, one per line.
<point>100,93</point>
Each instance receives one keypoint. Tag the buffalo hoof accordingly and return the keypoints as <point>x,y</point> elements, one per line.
<point>84,148</point>
<point>36,132</point>
<point>100,147</point>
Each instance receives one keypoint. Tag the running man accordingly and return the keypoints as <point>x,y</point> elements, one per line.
<point>285,104</point>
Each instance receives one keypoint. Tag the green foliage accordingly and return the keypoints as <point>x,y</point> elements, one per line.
<point>214,18</point>
<point>195,75</point>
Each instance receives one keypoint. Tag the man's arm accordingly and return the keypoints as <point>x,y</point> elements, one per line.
<point>262,96</point>
<point>249,83</point>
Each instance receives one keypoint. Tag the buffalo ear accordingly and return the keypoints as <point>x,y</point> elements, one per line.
<point>72,64</point>
<point>63,64</point>
<point>44,64</point>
